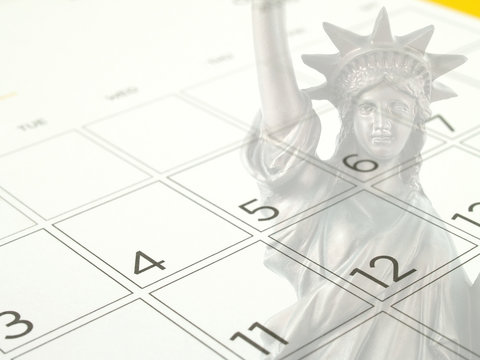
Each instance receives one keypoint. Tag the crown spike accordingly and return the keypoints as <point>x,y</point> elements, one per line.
<point>441,92</point>
<point>344,40</point>
<point>381,33</point>
<point>418,39</point>
<point>362,59</point>
<point>322,63</point>
<point>443,63</point>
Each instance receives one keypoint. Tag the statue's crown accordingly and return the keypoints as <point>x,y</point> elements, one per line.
<point>366,60</point>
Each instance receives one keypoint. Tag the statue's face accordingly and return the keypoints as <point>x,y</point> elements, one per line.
<point>383,119</point>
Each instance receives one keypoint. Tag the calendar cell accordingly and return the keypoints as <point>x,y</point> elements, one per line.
<point>225,182</point>
<point>384,337</point>
<point>451,185</point>
<point>135,331</point>
<point>45,285</point>
<point>167,132</point>
<point>151,233</point>
<point>251,309</point>
<point>63,173</point>
<point>373,244</point>
<point>459,318</point>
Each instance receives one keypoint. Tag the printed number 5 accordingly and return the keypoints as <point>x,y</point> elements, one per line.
<point>16,320</point>
<point>244,208</point>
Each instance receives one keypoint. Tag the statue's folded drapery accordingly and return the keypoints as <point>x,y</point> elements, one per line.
<point>346,235</point>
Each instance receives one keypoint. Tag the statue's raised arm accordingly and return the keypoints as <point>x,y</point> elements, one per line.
<point>282,103</point>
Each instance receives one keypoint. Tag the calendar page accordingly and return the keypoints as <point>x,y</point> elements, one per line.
<point>131,228</point>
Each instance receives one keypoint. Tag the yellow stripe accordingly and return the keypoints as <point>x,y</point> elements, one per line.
<point>468,6</point>
<point>7,96</point>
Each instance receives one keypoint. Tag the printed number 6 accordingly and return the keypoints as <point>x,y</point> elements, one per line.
<point>244,208</point>
<point>356,167</point>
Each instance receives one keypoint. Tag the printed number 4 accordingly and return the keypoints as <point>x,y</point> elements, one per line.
<point>153,263</point>
<point>275,212</point>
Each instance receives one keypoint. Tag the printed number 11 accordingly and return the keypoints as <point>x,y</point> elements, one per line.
<point>253,343</point>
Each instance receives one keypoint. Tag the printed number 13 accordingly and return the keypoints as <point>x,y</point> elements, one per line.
<point>470,209</point>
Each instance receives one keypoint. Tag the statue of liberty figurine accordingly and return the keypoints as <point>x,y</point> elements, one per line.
<point>382,86</point>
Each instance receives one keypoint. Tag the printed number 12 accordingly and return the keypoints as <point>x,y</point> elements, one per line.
<point>396,277</point>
